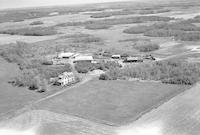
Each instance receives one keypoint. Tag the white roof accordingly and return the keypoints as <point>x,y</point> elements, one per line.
<point>117,55</point>
<point>82,58</point>
<point>133,58</point>
<point>54,13</point>
<point>65,54</point>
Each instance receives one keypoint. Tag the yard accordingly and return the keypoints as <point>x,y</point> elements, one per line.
<point>111,102</point>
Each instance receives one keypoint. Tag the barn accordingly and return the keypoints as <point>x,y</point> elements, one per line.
<point>83,59</point>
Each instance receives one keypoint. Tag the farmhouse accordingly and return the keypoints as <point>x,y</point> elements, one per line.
<point>66,55</point>
<point>133,59</point>
<point>66,78</point>
<point>115,56</point>
<point>83,59</point>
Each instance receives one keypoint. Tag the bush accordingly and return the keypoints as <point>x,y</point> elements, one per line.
<point>137,30</point>
<point>27,78</point>
<point>106,23</point>
<point>53,71</point>
<point>104,77</point>
<point>183,30</point>
<point>35,31</point>
<point>111,64</point>
<point>187,80</point>
<point>173,72</point>
<point>84,67</point>
<point>46,62</point>
<point>96,26</point>
<point>101,15</point>
<point>87,40</point>
<point>146,46</point>
<point>36,23</point>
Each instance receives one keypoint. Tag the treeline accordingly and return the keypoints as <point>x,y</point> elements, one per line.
<point>37,23</point>
<point>106,23</point>
<point>154,11</point>
<point>112,13</point>
<point>35,71</point>
<point>145,46</point>
<point>85,67</point>
<point>173,72</point>
<point>127,12</point>
<point>33,31</point>
<point>179,30</point>
<point>196,19</point>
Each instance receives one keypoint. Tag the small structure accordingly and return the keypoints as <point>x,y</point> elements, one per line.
<point>83,59</point>
<point>65,55</point>
<point>60,61</point>
<point>116,56</point>
<point>149,57</point>
<point>66,78</point>
<point>53,13</point>
<point>133,59</point>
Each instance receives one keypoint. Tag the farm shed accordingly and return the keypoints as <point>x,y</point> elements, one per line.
<point>66,55</point>
<point>133,59</point>
<point>116,56</point>
<point>84,59</point>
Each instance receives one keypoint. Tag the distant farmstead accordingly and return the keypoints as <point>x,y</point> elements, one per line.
<point>66,78</point>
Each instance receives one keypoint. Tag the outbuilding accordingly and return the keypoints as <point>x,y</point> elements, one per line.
<point>65,55</point>
<point>83,59</point>
<point>116,56</point>
<point>133,59</point>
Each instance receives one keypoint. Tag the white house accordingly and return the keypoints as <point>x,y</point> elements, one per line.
<point>83,59</point>
<point>66,78</point>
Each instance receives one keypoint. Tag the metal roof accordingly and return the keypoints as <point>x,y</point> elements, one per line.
<point>68,54</point>
<point>83,58</point>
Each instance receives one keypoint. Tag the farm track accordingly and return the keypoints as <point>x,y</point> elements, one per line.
<point>28,107</point>
<point>39,118</point>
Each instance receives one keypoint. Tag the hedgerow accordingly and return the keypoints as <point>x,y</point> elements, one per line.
<point>173,72</point>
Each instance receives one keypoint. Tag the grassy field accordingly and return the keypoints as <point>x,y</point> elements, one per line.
<point>111,102</point>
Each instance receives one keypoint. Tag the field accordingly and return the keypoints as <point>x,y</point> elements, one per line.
<point>99,100</point>
<point>178,116</point>
<point>167,30</point>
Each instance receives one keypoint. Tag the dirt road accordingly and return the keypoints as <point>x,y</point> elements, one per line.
<point>41,122</point>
